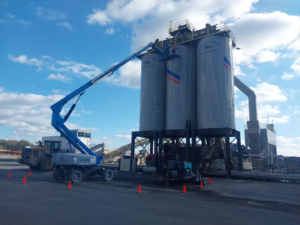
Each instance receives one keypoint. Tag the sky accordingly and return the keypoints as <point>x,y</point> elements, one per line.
<point>50,48</point>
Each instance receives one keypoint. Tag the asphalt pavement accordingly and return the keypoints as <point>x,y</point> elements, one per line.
<point>44,201</point>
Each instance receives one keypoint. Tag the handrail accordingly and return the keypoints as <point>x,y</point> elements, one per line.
<point>195,35</point>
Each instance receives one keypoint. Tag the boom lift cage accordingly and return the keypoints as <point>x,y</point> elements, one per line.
<point>191,138</point>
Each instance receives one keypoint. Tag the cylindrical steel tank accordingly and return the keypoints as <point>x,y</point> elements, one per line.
<point>215,89</point>
<point>153,93</point>
<point>181,103</point>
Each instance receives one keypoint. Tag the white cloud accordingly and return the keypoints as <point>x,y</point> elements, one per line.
<point>267,56</point>
<point>296,66</point>
<point>22,22</point>
<point>11,16</point>
<point>69,67</point>
<point>265,93</point>
<point>60,92</point>
<point>46,57</point>
<point>288,76</point>
<point>268,93</point>
<point>88,71</point>
<point>28,114</point>
<point>107,140</point>
<point>66,25</point>
<point>260,34</point>
<point>110,31</point>
<point>266,113</point>
<point>59,77</point>
<point>18,21</point>
<point>25,60</point>
<point>3,21</point>
<point>97,17</point>
<point>295,46</point>
<point>130,75</point>
<point>85,111</point>
<point>288,146</point>
<point>142,15</point>
<point>49,14</point>
<point>124,136</point>
<point>2,89</point>
<point>73,126</point>
<point>237,70</point>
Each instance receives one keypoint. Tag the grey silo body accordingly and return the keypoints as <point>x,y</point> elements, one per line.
<point>215,88</point>
<point>181,103</point>
<point>153,93</point>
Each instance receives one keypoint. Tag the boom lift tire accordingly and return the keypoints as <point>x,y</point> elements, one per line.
<point>57,175</point>
<point>108,175</point>
<point>76,176</point>
<point>46,164</point>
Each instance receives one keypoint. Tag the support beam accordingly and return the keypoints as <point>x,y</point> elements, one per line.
<point>228,158</point>
<point>132,144</point>
<point>239,151</point>
<point>151,145</point>
<point>160,149</point>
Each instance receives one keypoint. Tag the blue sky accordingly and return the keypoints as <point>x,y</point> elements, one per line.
<point>50,48</point>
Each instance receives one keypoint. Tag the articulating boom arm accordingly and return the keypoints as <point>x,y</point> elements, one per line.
<point>58,121</point>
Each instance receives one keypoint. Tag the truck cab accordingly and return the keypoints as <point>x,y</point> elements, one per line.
<point>40,157</point>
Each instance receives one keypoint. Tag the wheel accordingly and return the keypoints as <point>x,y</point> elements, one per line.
<point>76,176</point>
<point>108,175</point>
<point>46,164</point>
<point>57,175</point>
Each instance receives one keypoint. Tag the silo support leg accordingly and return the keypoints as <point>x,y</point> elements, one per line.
<point>228,158</point>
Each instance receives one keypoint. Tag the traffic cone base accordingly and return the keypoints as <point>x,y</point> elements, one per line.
<point>70,185</point>
<point>209,180</point>
<point>8,176</point>
<point>201,185</point>
<point>29,173</point>
<point>139,189</point>
<point>184,189</point>
<point>24,180</point>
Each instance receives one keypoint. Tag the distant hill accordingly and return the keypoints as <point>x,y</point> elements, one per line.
<point>13,144</point>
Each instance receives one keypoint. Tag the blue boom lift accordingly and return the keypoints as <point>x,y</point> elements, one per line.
<point>72,165</point>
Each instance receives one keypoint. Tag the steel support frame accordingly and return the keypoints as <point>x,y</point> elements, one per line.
<point>158,136</point>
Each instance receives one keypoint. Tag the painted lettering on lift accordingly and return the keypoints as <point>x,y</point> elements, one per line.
<point>84,160</point>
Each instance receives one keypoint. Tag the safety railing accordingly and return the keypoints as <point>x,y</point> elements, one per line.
<point>181,38</point>
<point>180,25</point>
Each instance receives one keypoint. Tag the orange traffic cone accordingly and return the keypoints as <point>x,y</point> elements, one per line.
<point>8,176</point>
<point>201,185</point>
<point>209,180</point>
<point>29,173</point>
<point>184,189</point>
<point>69,186</point>
<point>139,189</point>
<point>24,180</point>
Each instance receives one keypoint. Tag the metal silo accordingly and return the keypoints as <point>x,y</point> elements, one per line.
<point>215,90</point>
<point>153,93</point>
<point>181,104</point>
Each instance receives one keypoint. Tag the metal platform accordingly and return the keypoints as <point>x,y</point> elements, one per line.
<point>158,138</point>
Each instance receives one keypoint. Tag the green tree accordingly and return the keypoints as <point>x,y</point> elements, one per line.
<point>13,144</point>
